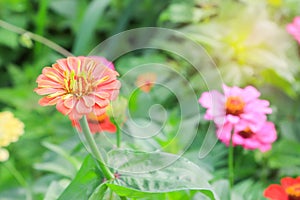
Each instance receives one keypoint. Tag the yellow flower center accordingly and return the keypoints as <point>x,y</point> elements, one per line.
<point>247,133</point>
<point>234,105</point>
<point>293,192</point>
<point>83,82</point>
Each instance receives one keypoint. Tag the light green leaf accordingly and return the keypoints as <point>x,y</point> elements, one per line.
<point>99,192</point>
<point>146,174</point>
<point>88,25</point>
<point>55,189</point>
<point>60,151</point>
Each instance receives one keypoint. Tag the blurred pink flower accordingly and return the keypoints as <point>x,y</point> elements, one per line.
<point>146,81</point>
<point>294,28</point>
<point>104,61</point>
<point>78,86</point>
<point>261,139</point>
<point>239,107</point>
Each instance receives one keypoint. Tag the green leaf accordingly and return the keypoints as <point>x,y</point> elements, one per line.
<point>55,189</point>
<point>146,174</point>
<point>99,192</point>
<point>60,151</point>
<point>85,182</point>
<point>222,189</point>
<point>285,153</point>
<point>88,25</point>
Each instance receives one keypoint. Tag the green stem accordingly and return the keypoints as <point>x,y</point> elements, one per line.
<point>230,163</point>
<point>111,195</point>
<point>35,37</point>
<point>119,135</point>
<point>19,177</point>
<point>94,149</point>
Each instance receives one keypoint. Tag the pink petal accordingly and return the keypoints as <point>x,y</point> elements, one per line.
<point>232,119</point>
<point>44,91</point>
<point>250,93</point>
<point>46,101</point>
<point>63,64</point>
<point>297,22</point>
<point>89,100</point>
<point>81,108</point>
<point>70,102</point>
<point>265,147</point>
<point>113,85</point>
<point>97,110</point>
<point>267,134</point>
<point>73,63</point>
<point>209,99</point>
<point>292,29</point>
<point>62,108</point>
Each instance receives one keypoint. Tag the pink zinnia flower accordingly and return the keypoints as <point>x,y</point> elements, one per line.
<point>289,189</point>
<point>78,86</point>
<point>294,28</point>
<point>261,139</point>
<point>239,107</point>
<point>104,61</point>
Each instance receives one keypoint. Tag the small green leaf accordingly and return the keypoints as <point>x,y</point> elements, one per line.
<point>85,182</point>
<point>99,192</point>
<point>146,174</point>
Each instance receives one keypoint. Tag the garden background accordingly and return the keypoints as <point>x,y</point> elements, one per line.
<point>246,40</point>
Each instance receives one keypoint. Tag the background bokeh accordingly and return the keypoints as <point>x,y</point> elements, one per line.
<point>246,40</point>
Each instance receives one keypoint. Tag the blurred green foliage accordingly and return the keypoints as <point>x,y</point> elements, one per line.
<point>246,39</point>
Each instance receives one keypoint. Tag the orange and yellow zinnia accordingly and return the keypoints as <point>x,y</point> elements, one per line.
<point>78,86</point>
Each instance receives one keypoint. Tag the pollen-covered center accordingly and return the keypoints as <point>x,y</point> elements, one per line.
<point>293,192</point>
<point>234,105</point>
<point>82,82</point>
<point>247,133</point>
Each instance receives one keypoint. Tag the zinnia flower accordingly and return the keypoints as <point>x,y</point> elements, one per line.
<point>261,139</point>
<point>288,190</point>
<point>146,81</point>
<point>294,28</point>
<point>11,128</point>
<point>97,123</point>
<point>104,61</point>
<point>239,107</point>
<point>78,86</point>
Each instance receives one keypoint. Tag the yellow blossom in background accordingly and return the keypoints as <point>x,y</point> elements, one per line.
<point>11,129</point>
<point>3,155</point>
<point>276,3</point>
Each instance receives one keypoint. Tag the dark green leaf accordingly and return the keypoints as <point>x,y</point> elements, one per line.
<point>85,182</point>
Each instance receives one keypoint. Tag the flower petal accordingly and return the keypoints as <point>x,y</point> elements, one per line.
<point>275,192</point>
